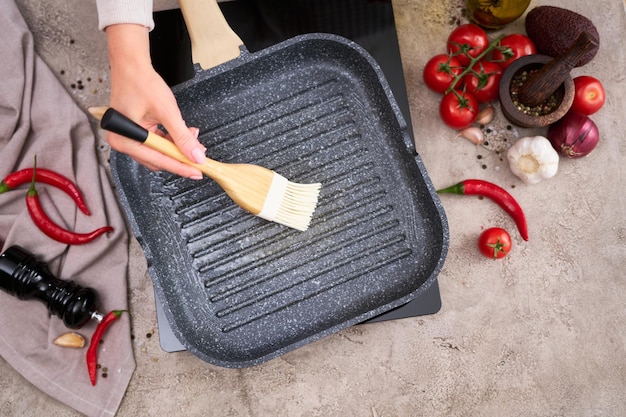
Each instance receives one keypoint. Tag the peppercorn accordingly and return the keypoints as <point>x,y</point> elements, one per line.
<point>547,107</point>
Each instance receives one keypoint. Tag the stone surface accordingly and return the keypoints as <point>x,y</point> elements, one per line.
<point>540,333</point>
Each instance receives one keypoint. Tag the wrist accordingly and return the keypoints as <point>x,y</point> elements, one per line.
<point>128,46</point>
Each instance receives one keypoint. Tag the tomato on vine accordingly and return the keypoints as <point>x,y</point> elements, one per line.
<point>512,47</point>
<point>494,243</point>
<point>440,71</point>
<point>467,41</point>
<point>483,81</point>
<point>458,109</point>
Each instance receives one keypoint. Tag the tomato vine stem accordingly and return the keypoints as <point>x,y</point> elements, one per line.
<point>473,60</point>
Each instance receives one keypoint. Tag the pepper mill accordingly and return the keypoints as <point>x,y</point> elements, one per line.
<point>26,278</point>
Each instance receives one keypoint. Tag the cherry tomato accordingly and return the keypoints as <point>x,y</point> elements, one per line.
<point>494,243</point>
<point>439,72</point>
<point>483,82</point>
<point>588,95</point>
<point>468,39</point>
<point>519,45</point>
<point>458,109</point>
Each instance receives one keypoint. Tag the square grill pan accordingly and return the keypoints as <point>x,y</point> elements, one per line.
<point>238,290</point>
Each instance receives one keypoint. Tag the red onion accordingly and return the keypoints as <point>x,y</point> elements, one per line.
<point>574,136</point>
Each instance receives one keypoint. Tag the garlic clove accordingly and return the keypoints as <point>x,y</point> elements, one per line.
<point>473,134</point>
<point>485,115</point>
<point>70,340</point>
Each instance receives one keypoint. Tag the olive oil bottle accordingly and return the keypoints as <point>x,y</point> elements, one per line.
<point>494,14</point>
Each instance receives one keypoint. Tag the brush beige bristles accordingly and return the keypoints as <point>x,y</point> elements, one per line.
<point>256,189</point>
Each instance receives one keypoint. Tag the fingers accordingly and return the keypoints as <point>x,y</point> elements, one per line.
<point>151,158</point>
<point>185,138</point>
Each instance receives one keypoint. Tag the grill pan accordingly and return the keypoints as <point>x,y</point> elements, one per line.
<point>238,290</point>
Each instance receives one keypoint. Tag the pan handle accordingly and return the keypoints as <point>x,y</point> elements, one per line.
<point>213,42</point>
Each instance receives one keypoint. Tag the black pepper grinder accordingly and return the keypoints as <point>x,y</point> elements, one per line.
<point>23,276</point>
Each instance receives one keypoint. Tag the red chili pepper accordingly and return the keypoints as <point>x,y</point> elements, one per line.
<point>53,230</point>
<point>24,176</point>
<point>92,351</point>
<point>495,193</point>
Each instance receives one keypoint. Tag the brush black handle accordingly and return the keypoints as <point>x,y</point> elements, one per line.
<point>26,278</point>
<point>116,122</point>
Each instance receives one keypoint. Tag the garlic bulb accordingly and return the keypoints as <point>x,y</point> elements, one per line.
<point>533,159</point>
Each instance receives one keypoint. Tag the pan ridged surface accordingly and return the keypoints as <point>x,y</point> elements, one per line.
<point>239,290</point>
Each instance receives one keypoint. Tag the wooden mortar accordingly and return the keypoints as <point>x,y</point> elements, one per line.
<point>543,83</point>
<point>552,76</point>
<point>564,93</point>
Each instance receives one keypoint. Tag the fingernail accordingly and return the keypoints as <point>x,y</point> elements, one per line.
<point>196,177</point>
<point>198,155</point>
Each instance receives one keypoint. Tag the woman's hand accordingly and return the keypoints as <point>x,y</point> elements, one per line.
<point>140,93</point>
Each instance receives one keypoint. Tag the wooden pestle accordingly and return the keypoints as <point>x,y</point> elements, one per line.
<point>543,83</point>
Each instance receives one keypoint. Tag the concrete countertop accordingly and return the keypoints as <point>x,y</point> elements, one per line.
<point>540,333</point>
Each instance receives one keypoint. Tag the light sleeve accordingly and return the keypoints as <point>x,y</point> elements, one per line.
<point>111,12</point>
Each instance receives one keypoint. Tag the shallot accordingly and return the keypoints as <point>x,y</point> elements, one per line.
<point>574,136</point>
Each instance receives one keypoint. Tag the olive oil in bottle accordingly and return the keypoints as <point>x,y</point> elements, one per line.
<point>494,14</point>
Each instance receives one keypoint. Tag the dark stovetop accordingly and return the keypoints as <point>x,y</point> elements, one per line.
<point>262,23</point>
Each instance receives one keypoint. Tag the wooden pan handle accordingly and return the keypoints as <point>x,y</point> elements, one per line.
<point>213,42</point>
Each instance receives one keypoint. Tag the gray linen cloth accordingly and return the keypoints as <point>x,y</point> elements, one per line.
<point>39,117</point>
